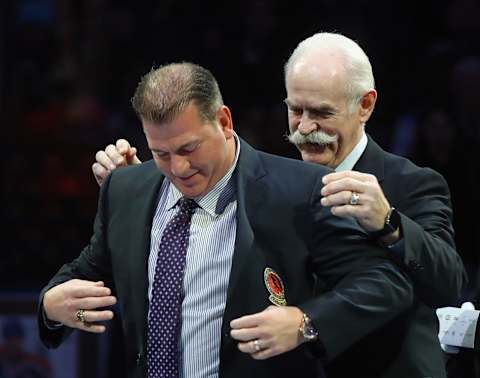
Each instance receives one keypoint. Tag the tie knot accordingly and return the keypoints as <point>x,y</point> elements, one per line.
<point>187,205</point>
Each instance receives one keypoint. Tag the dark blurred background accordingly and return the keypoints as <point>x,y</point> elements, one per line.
<point>68,69</point>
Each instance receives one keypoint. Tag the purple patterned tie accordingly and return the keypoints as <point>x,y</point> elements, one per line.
<point>166,302</point>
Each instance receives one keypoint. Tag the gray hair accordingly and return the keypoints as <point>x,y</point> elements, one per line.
<point>358,70</point>
<point>165,92</point>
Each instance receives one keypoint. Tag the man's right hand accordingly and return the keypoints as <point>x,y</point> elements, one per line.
<point>62,302</point>
<point>119,155</point>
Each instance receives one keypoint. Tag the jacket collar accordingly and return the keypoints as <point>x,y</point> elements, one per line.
<point>372,160</point>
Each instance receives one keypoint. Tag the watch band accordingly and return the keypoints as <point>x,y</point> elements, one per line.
<point>392,223</point>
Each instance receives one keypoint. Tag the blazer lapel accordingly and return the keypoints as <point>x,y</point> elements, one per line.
<point>145,208</point>
<point>372,160</point>
<point>249,191</point>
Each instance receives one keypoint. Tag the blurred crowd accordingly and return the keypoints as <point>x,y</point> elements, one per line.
<point>68,69</point>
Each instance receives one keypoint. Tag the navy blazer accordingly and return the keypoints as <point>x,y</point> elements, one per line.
<point>328,267</point>
<point>409,346</point>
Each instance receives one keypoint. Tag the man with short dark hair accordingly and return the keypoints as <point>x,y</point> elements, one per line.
<point>215,252</point>
<point>406,209</point>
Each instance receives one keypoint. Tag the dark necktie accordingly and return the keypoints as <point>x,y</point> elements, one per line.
<point>166,302</point>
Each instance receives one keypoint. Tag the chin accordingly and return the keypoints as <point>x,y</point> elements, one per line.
<point>314,158</point>
<point>189,191</point>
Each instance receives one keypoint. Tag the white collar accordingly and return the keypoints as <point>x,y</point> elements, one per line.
<point>349,162</point>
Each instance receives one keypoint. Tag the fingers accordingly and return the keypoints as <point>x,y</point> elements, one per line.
<point>82,291</point>
<point>246,321</point>
<point>346,211</point>
<point>119,155</point>
<point>343,184</point>
<point>97,316</point>
<point>115,156</point>
<point>90,303</point>
<point>123,147</point>
<point>91,321</point>
<point>337,199</point>
<point>128,153</point>
<point>99,172</point>
<point>90,318</point>
<point>268,333</point>
<point>263,354</point>
<point>132,157</point>
<point>92,328</point>
<point>331,177</point>
<point>246,334</point>
<point>252,346</point>
<point>104,160</point>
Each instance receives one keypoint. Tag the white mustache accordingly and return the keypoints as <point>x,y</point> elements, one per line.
<point>316,137</point>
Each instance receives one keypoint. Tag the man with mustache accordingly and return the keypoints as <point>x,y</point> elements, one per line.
<point>405,209</point>
<point>188,243</point>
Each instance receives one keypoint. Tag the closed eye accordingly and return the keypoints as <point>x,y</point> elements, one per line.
<point>317,113</point>
<point>161,155</point>
<point>296,111</point>
<point>188,149</point>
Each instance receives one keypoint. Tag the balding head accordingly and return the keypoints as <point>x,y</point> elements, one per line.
<point>165,92</point>
<point>331,54</point>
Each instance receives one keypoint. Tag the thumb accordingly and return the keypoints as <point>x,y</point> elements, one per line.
<point>132,158</point>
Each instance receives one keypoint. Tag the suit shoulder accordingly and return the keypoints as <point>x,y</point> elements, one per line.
<point>398,165</point>
<point>135,176</point>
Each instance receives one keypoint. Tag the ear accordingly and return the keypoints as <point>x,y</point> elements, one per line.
<point>367,104</point>
<point>224,118</point>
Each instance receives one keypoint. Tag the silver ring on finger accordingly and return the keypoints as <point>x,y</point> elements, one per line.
<point>354,199</point>
<point>256,345</point>
<point>80,316</point>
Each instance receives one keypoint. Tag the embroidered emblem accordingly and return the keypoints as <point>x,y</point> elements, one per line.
<point>275,287</point>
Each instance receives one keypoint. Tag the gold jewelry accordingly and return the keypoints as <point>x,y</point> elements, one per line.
<point>80,316</point>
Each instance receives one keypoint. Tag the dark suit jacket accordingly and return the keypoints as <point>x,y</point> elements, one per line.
<point>280,224</point>
<point>409,346</point>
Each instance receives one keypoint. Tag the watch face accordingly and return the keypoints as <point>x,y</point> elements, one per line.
<point>394,222</point>
<point>389,228</point>
<point>310,333</point>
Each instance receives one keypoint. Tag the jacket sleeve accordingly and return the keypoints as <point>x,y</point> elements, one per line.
<point>93,264</point>
<point>427,248</point>
<point>359,288</point>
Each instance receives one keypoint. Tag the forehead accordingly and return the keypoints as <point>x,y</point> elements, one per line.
<point>187,127</point>
<point>312,82</point>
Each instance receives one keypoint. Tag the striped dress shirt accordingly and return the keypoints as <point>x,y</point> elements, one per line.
<point>208,263</point>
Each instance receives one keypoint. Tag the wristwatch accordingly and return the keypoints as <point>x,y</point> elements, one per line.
<point>307,329</point>
<point>392,223</point>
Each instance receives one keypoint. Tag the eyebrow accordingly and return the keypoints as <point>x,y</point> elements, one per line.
<point>182,147</point>
<point>323,107</point>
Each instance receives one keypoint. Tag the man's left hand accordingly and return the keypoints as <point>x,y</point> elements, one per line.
<point>268,333</point>
<point>372,206</point>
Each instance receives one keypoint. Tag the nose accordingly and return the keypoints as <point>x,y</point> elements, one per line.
<point>179,166</point>
<point>307,125</point>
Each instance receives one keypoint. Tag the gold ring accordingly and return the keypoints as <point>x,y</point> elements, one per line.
<point>80,316</point>
<point>354,199</point>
